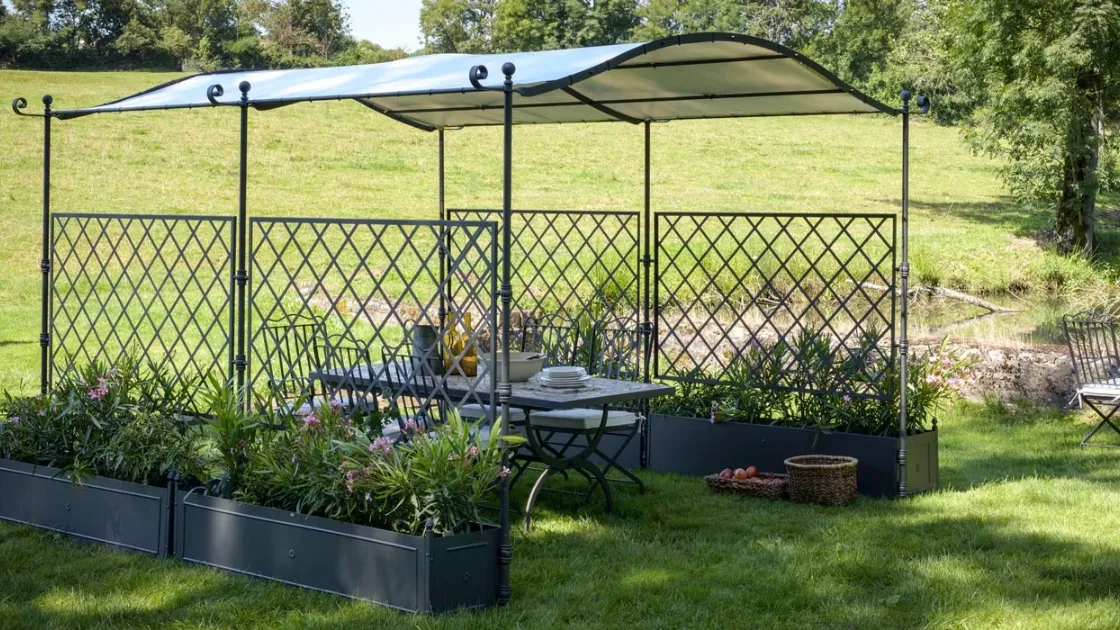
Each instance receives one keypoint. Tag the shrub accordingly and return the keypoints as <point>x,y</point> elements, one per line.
<point>124,422</point>
<point>789,383</point>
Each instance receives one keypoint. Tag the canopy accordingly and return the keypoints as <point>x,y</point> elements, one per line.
<point>706,75</point>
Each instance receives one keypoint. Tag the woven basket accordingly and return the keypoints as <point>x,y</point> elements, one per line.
<point>765,485</point>
<point>825,479</point>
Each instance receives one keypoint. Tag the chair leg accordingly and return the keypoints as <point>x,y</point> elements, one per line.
<point>533,494</point>
<point>612,461</point>
<point>1106,419</point>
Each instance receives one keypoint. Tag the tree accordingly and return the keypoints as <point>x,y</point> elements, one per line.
<point>1043,75</point>
<point>458,26</point>
<point>794,23</point>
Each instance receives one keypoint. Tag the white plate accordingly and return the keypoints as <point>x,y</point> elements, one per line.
<point>544,381</point>
<point>560,372</point>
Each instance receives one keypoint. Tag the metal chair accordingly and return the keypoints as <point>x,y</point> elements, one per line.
<point>1095,355</point>
<point>344,353</point>
<point>616,353</point>
<point>411,391</point>
<point>554,337</point>
<point>293,338</point>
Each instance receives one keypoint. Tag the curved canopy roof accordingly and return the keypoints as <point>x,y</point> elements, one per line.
<point>706,75</point>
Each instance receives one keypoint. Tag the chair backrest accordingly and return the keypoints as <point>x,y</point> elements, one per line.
<point>555,337</point>
<point>407,378</point>
<point>1093,348</point>
<point>344,352</point>
<point>293,356</point>
<point>618,352</point>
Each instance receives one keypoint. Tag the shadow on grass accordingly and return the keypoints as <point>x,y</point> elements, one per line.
<point>1007,550</point>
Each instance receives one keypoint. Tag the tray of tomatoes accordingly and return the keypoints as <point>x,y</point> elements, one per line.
<point>749,481</point>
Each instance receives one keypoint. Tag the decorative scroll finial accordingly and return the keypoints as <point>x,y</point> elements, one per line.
<point>477,75</point>
<point>19,104</point>
<point>924,104</point>
<point>213,92</point>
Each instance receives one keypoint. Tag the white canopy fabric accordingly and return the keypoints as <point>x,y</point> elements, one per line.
<point>706,75</point>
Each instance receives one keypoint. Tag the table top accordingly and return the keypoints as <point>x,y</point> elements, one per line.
<point>528,394</point>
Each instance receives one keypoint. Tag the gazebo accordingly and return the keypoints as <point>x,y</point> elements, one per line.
<point>698,76</point>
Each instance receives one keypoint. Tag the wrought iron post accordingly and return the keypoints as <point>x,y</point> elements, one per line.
<point>505,392</point>
<point>647,325</point>
<point>445,244</point>
<point>45,262</point>
<point>904,277</point>
<point>242,276</point>
<point>18,105</point>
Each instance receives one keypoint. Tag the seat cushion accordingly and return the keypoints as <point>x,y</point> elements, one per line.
<point>476,412</point>
<point>583,419</point>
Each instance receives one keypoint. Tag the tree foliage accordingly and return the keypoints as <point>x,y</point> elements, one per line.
<point>193,34</point>
<point>1041,78</point>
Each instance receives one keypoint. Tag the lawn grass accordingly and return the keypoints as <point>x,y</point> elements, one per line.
<point>338,159</point>
<point>1022,535</point>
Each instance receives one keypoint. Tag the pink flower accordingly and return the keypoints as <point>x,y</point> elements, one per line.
<point>472,451</point>
<point>411,426</point>
<point>382,443</point>
<point>311,421</point>
<point>504,472</point>
<point>16,420</point>
<point>933,379</point>
<point>98,393</point>
<point>336,404</point>
<point>847,399</point>
<point>715,408</point>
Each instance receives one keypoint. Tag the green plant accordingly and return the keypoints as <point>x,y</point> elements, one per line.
<point>442,476</point>
<point>123,422</point>
<point>229,427</point>
<point>808,383</point>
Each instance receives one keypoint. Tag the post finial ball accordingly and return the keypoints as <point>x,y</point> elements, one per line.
<point>243,86</point>
<point>508,68</point>
<point>47,99</point>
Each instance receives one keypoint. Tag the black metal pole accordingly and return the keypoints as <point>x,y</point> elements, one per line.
<point>45,262</point>
<point>242,276</point>
<point>904,278</point>
<point>647,325</point>
<point>505,392</point>
<point>445,244</point>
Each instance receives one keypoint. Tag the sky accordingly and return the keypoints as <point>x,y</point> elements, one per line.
<point>390,23</point>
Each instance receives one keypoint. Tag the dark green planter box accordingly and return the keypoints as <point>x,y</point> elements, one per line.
<point>118,513</point>
<point>413,573</point>
<point>695,446</point>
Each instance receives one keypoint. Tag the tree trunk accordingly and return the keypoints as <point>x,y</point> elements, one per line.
<point>1077,206</point>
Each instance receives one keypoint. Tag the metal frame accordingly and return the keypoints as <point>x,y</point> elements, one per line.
<point>648,259</point>
<point>162,273</point>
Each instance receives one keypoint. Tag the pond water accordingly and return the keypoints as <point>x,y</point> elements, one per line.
<point>1036,321</point>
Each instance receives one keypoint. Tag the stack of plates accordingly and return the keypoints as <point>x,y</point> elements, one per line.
<point>563,377</point>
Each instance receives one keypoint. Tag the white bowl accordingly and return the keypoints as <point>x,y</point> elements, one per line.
<point>521,367</point>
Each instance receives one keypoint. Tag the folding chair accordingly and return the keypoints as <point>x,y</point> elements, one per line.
<point>293,339</point>
<point>615,352</point>
<point>1095,355</point>
<point>344,353</point>
<point>410,392</point>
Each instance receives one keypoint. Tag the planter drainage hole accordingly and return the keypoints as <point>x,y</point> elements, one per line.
<point>291,553</point>
<point>67,507</point>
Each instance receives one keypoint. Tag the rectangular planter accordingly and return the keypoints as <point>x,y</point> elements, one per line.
<point>413,573</point>
<point>119,513</point>
<point>695,446</point>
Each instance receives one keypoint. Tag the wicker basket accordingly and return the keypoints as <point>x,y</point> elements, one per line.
<point>825,479</point>
<point>765,485</point>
